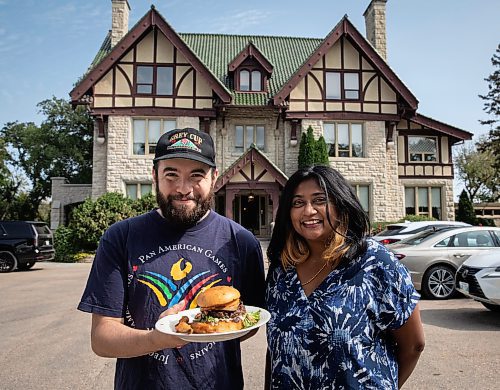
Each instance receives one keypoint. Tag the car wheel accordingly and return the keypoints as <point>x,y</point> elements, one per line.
<point>8,262</point>
<point>491,306</point>
<point>439,282</point>
<point>26,266</point>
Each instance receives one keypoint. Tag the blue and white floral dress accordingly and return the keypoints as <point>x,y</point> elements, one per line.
<point>336,337</point>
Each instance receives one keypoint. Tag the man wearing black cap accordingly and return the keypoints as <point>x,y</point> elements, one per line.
<point>159,262</point>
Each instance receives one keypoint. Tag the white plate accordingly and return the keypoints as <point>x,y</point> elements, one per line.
<point>167,325</point>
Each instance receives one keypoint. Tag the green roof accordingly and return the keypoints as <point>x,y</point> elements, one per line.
<point>103,50</point>
<point>216,51</point>
<point>287,54</point>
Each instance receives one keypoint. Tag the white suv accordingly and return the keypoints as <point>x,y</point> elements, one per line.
<point>479,278</point>
<point>397,231</point>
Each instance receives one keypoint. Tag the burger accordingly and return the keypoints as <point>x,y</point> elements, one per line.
<point>221,310</point>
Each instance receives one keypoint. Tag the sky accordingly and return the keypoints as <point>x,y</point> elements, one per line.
<point>440,49</point>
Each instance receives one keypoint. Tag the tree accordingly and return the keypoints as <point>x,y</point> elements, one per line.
<point>307,148</point>
<point>60,146</point>
<point>465,211</point>
<point>492,107</point>
<point>321,157</point>
<point>475,169</point>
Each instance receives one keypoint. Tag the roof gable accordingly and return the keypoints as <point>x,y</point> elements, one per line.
<point>347,29</point>
<point>250,51</point>
<point>441,127</point>
<point>251,156</point>
<point>151,20</point>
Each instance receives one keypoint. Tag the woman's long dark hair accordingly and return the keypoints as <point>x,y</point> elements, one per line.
<point>348,212</point>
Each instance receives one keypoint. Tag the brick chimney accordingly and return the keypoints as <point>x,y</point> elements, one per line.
<point>119,20</point>
<point>375,26</point>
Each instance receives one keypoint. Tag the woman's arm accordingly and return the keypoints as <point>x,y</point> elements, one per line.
<point>110,337</point>
<point>410,342</point>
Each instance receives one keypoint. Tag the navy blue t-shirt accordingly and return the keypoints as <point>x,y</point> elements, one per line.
<point>144,265</point>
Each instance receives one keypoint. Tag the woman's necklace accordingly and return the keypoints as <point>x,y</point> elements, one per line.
<point>315,275</point>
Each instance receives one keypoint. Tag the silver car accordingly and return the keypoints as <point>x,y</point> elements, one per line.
<point>434,257</point>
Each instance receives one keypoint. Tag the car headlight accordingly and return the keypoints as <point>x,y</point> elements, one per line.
<point>493,274</point>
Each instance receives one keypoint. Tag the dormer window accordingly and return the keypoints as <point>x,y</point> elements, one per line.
<point>250,70</point>
<point>154,80</point>
<point>250,80</point>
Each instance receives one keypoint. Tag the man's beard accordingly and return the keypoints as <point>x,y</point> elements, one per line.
<point>182,216</point>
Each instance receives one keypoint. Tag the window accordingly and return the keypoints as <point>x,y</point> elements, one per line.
<point>244,80</point>
<point>146,80</point>
<point>250,81</point>
<point>138,190</point>
<point>422,148</point>
<point>351,86</point>
<point>344,139</point>
<point>423,201</point>
<point>146,133</point>
<point>248,135</point>
<point>347,89</point>
<point>363,194</point>
<point>475,239</point>
<point>256,81</point>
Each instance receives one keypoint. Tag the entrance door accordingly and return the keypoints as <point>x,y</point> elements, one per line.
<point>250,212</point>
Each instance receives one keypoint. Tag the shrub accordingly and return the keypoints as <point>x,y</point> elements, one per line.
<point>465,212</point>
<point>145,204</point>
<point>64,245</point>
<point>89,220</point>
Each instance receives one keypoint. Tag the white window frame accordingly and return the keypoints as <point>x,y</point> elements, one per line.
<point>336,84</point>
<point>249,139</point>
<point>138,190</point>
<point>357,187</point>
<point>166,124</point>
<point>331,133</point>
<point>424,157</point>
<point>430,202</point>
<point>155,80</point>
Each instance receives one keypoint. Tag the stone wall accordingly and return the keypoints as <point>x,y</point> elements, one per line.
<point>227,155</point>
<point>121,165</point>
<point>378,170</point>
<point>64,194</point>
<point>446,193</point>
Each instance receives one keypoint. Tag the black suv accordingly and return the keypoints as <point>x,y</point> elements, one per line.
<point>23,243</point>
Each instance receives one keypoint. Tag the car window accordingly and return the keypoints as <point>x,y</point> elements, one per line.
<point>497,233</point>
<point>418,238</point>
<point>391,231</point>
<point>41,228</point>
<point>17,229</point>
<point>484,239</point>
<point>445,242</point>
<point>473,239</point>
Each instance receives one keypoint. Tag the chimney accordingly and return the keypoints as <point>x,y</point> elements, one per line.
<point>375,26</point>
<point>119,20</point>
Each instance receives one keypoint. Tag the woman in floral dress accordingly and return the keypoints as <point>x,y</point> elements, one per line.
<point>344,312</point>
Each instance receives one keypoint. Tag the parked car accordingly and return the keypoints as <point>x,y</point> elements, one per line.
<point>434,257</point>
<point>479,278</point>
<point>23,243</point>
<point>398,231</point>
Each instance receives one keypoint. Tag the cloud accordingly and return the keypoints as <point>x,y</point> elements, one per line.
<point>239,22</point>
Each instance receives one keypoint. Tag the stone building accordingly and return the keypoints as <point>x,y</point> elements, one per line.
<point>256,95</point>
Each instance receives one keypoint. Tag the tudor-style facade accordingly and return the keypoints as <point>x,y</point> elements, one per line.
<point>256,95</point>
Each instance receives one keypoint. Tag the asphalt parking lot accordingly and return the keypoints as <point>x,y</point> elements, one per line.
<point>45,340</point>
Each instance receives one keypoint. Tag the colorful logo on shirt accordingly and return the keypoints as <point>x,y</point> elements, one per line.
<point>169,294</point>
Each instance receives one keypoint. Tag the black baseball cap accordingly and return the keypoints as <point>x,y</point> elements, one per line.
<point>187,143</point>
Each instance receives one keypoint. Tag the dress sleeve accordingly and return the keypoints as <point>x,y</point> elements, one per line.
<point>395,297</point>
<point>105,293</point>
